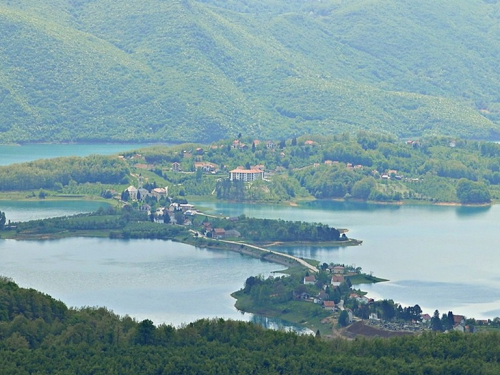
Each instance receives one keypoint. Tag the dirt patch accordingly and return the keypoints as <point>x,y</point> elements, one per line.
<point>361,329</point>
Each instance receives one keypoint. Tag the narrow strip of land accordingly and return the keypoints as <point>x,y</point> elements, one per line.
<point>300,261</point>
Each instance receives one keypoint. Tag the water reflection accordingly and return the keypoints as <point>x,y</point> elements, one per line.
<point>472,211</point>
<point>337,205</point>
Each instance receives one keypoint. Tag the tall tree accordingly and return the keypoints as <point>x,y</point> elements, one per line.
<point>436,324</point>
<point>343,318</point>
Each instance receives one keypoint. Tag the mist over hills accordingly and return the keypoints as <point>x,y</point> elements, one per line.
<point>186,70</point>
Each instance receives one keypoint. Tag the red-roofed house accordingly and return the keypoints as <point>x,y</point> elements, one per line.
<point>218,233</point>
<point>309,280</point>
<point>329,305</point>
<point>337,280</point>
<point>338,269</point>
<point>425,318</point>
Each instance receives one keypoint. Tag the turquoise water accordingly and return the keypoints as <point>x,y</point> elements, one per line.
<point>10,154</point>
<point>160,280</point>
<point>440,257</point>
<point>40,209</point>
<point>164,281</point>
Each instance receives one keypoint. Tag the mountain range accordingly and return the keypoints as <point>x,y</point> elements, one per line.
<point>187,70</point>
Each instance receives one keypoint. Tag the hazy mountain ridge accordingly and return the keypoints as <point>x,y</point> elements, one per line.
<point>197,71</point>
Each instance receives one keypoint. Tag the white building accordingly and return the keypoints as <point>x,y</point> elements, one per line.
<point>246,175</point>
<point>132,193</point>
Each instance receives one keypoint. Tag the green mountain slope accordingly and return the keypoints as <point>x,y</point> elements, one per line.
<point>185,70</point>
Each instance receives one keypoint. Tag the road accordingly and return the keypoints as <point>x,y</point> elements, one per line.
<point>296,259</point>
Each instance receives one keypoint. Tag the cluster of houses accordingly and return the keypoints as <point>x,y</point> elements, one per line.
<point>219,233</point>
<point>140,194</point>
<point>186,209</point>
<point>339,275</point>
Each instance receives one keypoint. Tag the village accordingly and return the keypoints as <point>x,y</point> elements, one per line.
<point>354,306</point>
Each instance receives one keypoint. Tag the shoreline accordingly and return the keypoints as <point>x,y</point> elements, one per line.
<point>20,195</point>
<point>403,203</point>
<point>248,249</point>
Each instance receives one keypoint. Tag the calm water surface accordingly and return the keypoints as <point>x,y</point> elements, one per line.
<point>10,154</point>
<point>41,209</point>
<point>160,280</point>
<point>444,258</point>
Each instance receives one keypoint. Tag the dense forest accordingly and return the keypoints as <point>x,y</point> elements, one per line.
<point>202,70</point>
<point>41,335</point>
<point>265,230</point>
<point>65,171</point>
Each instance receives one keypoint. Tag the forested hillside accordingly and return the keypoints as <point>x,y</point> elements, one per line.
<point>41,335</point>
<point>187,70</point>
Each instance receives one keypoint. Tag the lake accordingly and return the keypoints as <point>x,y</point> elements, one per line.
<point>164,281</point>
<point>10,154</point>
<point>440,257</point>
<point>40,209</point>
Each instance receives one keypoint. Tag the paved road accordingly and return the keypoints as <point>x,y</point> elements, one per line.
<point>297,259</point>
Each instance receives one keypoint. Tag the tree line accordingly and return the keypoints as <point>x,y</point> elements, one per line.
<point>58,172</point>
<point>41,335</point>
<point>278,230</point>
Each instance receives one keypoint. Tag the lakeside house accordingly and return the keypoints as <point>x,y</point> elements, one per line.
<point>360,299</point>
<point>145,207</point>
<point>186,207</point>
<point>232,233</point>
<point>218,233</point>
<point>142,193</point>
<point>373,316</point>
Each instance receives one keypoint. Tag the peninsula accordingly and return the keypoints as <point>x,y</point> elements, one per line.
<point>181,222</point>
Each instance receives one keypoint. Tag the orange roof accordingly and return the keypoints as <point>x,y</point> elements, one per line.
<point>238,170</point>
